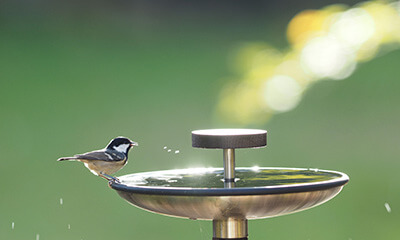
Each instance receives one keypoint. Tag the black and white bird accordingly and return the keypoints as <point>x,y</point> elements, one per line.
<point>107,161</point>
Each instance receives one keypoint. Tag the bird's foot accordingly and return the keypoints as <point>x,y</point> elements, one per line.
<point>110,178</point>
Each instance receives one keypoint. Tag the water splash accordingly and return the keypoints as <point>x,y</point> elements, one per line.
<point>170,150</point>
<point>388,208</point>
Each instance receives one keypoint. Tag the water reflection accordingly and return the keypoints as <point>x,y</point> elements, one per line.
<point>213,177</point>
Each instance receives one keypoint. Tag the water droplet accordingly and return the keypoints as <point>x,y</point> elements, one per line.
<point>69,226</point>
<point>37,236</point>
<point>12,225</point>
<point>61,201</point>
<point>388,209</point>
<point>177,151</point>
<point>165,147</point>
<point>169,150</point>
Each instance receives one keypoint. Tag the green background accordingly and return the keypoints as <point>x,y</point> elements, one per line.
<point>74,75</point>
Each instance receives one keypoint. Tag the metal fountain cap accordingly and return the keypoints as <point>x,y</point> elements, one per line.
<point>230,196</point>
<point>229,138</point>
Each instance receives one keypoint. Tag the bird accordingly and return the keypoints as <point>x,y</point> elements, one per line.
<point>107,161</point>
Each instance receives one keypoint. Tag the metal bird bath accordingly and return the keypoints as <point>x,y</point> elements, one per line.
<point>230,196</point>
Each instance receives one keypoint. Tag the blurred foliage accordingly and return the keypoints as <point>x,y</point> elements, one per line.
<point>72,77</point>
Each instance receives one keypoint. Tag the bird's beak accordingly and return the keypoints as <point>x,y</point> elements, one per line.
<point>134,144</point>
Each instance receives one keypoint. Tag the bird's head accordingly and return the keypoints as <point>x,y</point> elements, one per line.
<point>121,144</point>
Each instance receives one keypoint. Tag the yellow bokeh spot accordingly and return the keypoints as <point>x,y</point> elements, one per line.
<point>304,24</point>
<point>310,23</point>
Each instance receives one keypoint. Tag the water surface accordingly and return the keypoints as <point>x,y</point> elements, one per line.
<point>214,177</point>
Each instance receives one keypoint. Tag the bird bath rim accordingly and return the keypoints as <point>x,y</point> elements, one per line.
<point>341,180</point>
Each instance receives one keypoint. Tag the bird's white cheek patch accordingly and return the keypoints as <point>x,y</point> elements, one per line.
<point>122,147</point>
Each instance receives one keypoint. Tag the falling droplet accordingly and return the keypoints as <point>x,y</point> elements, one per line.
<point>177,151</point>
<point>169,150</point>
<point>165,147</point>
<point>37,236</point>
<point>388,209</point>
<point>12,225</point>
<point>69,226</point>
<point>61,201</point>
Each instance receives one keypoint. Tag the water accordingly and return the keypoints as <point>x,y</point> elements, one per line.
<point>388,208</point>
<point>170,150</point>
<point>213,178</point>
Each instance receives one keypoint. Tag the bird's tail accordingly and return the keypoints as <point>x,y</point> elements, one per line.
<point>66,158</point>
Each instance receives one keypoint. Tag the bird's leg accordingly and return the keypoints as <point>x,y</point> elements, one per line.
<point>109,178</point>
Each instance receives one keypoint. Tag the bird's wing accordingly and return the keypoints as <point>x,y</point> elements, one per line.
<point>100,155</point>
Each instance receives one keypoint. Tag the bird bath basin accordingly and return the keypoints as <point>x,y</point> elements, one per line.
<point>230,196</point>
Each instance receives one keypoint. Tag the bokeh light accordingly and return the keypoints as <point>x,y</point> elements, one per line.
<point>353,27</point>
<point>325,44</point>
<point>282,93</point>
<point>327,57</point>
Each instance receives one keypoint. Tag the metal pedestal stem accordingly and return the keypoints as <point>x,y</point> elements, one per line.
<point>229,167</point>
<point>230,228</point>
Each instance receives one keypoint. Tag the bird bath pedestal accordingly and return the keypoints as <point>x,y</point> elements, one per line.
<point>230,196</point>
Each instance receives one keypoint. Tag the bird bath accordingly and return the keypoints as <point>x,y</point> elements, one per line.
<point>230,196</point>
